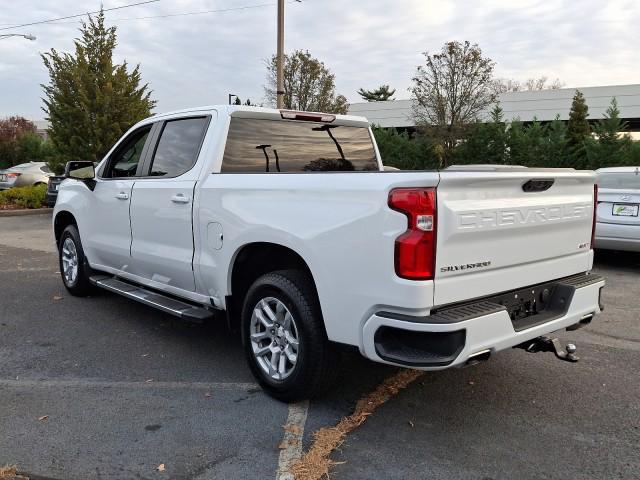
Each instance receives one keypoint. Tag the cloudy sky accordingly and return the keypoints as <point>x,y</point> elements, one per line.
<point>198,59</point>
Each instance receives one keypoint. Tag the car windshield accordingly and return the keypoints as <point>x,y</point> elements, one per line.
<point>627,180</point>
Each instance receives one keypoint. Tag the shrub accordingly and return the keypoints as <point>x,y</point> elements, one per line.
<point>24,197</point>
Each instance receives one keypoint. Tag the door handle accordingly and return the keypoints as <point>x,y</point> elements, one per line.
<point>122,196</point>
<point>180,198</point>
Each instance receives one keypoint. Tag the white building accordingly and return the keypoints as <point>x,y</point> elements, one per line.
<point>543,105</point>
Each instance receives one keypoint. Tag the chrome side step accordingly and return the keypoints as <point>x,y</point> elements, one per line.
<point>153,299</point>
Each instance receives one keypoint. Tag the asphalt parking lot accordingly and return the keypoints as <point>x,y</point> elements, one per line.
<point>106,388</point>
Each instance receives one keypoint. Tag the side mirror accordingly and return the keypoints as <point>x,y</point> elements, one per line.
<point>80,170</point>
<point>84,171</point>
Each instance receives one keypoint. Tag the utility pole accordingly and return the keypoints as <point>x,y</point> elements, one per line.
<point>280,57</point>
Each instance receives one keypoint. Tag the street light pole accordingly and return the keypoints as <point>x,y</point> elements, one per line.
<point>280,57</point>
<point>27,36</point>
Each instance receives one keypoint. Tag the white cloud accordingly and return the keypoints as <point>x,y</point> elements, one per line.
<point>199,59</point>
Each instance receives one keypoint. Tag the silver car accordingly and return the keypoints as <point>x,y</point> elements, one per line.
<point>618,216</point>
<point>32,173</point>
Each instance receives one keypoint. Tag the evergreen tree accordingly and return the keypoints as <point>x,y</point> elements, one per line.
<point>403,152</point>
<point>535,140</point>
<point>486,142</point>
<point>578,130</point>
<point>91,101</point>
<point>517,143</point>
<point>555,148</point>
<point>380,94</point>
<point>609,148</point>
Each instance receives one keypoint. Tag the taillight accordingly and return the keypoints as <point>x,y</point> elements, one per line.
<point>415,249</point>
<point>595,215</point>
<point>13,175</point>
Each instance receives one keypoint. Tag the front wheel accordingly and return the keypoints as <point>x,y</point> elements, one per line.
<point>73,264</point>
<point>284,337</point>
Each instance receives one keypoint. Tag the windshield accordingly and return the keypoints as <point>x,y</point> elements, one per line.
<point>627,180</point>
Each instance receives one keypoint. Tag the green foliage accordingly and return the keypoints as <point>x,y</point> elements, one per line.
<point>486,142</point>
<point>90,100</point>
<point>24,197</point>
<point>308,84</point>
<point>380,94</point>
<point>33,148</point>
<point>578,130</point>
<point>400,151</point>
<point>611,147</point>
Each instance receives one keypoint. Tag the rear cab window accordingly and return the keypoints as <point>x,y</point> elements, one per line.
<point>283,146</point>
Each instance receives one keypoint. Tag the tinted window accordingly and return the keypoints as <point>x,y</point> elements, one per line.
<point>289,146</point>
<point>178,147</point>
<point>124,161</point>
<point>45,169</point>
<point>619,180</point>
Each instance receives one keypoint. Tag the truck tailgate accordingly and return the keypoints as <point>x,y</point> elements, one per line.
<point>499,231</point>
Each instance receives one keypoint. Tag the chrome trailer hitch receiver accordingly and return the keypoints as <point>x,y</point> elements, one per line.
<point>546,344</point>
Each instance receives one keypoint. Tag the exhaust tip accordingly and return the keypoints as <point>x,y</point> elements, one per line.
<point>478,357</point>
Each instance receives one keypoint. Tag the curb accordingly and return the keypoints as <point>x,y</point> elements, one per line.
<point>25,212</point>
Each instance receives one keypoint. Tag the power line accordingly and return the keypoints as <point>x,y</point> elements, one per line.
<point>79,15</point>
<point>183,14</point>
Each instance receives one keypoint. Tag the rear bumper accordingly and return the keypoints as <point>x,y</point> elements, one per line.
<point>613,236</point>
<point>451,338</point>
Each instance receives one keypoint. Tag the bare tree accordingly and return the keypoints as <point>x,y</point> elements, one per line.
<point>308,84</point>
<point>450,91</point>
<point>503,85</point>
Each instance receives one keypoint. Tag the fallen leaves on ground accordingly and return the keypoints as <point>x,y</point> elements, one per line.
<point>10,472</point>
<point>315,464</point>
<point>56,298</point>
<point>160,467</point>
<point>43,417</point>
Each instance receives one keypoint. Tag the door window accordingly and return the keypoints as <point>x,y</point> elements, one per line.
<point>178,147</point>
<point>124,161</point>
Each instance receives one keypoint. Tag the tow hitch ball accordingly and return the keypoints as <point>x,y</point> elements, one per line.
<point>546,344</point>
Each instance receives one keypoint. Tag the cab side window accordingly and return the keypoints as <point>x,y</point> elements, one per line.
<point>124,161</point>
<point>178,147</point>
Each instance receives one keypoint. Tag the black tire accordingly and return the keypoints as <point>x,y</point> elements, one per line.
<point>316,365</point>
<point>80,285</point>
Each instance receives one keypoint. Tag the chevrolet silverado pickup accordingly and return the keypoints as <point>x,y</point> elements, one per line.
<point>287,224</point>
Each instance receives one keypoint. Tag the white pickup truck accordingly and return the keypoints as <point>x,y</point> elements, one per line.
<point>286,223</point>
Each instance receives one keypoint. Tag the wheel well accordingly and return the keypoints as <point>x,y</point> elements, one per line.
<point>62,221</point>
<point>256,259</point>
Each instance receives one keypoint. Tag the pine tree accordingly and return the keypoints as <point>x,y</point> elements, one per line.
<point>380,94</point>
<point>609,148</point>
<point>555,148</point>
<point>90,101</point>
<point>486,142</point>
<point>578,130</point>
<point>517,143</point>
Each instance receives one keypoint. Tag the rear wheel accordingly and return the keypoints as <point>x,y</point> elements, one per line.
<point>73,264</point>
<point>284,337</point>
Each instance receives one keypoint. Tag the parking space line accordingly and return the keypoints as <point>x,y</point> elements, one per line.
<point>147,384</point>
<point>291,445</point>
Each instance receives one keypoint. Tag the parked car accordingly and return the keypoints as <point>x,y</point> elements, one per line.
<point>32,173</point>
<point>52,190</point>
<point>286,223</point>
<point>618,220</point>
